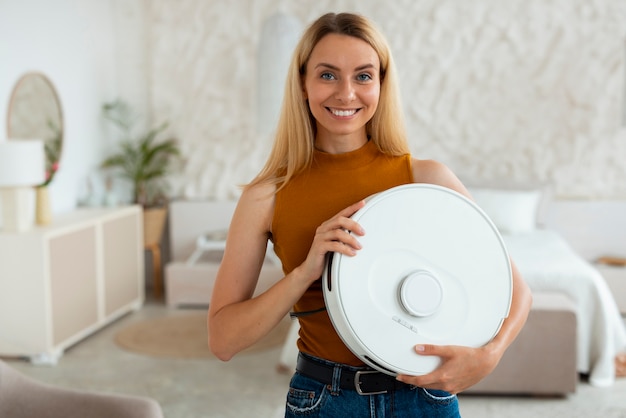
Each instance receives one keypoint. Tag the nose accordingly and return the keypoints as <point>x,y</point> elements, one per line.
<point>345,91</point>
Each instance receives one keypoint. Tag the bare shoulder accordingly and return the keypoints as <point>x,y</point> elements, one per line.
<point>435,172</point>
<point>245,247</point>
<point>255,208</point>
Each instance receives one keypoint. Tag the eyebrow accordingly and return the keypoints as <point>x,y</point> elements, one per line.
<point>334,67</point>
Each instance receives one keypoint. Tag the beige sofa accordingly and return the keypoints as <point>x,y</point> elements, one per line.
<point>23,397</point>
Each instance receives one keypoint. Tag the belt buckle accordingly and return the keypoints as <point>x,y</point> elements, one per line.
<point>357,383</point>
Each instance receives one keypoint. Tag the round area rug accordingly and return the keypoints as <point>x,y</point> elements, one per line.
<point>184,336</point>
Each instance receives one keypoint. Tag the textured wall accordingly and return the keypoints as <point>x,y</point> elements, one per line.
<point>72,43</point>
<point>522,91</point>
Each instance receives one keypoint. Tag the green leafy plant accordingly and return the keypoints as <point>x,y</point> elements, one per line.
<point>143,160</point>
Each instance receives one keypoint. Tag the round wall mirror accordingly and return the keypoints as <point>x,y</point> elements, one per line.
<point>35,113</point>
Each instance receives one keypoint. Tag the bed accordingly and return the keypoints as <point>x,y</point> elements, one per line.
<point>546,260</point>
<point>548,263</point>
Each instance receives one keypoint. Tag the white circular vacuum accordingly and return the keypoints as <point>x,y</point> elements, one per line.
<point>433,270</point>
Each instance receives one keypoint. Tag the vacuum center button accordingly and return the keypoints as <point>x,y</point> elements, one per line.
<point>421,293</point>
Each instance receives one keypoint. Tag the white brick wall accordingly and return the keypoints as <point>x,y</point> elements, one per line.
<point>524,90</point>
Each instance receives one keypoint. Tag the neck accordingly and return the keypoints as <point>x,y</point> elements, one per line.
<point>339,144</point>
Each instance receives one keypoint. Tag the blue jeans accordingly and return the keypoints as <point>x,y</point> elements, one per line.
<point>309,398</point>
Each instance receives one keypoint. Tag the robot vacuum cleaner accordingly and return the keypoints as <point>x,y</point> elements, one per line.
<point>433,270</point>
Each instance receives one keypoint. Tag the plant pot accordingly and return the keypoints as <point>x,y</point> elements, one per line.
<point>153,225</point>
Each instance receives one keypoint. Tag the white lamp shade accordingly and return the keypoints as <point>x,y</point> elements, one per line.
<point>22,163</point>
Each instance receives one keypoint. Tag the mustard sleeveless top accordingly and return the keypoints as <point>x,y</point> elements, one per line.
<point>332,183</point>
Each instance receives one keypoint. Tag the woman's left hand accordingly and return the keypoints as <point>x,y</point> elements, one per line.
<point>460,367</point>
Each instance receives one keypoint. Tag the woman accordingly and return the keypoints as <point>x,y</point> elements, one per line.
<point>340,139</point>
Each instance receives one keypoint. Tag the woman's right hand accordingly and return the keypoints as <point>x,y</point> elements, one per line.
<point>236,318</point>
<point>334,235</point>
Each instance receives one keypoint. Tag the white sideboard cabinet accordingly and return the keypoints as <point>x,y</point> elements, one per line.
<point>63,281</point>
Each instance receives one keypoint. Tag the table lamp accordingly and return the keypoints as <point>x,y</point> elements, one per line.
<point>22,166</point>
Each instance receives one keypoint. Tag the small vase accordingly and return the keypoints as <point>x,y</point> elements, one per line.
<point>43,213</point>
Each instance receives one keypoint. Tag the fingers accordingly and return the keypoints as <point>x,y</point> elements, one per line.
<point>436,379</point>
<point>460,367</point>
<point>340,240</point>
<point>352,209</point>
<point>338,233</point>
<point>434,350</point>
<point>433,377</point>
<point>343,221</point>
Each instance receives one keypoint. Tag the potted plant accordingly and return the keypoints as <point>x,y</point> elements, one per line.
<point>145,161</point>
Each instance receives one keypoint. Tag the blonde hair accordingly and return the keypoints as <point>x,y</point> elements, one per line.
<point>292,151</point>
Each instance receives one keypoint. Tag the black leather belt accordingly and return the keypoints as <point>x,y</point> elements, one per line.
<point>365,382</point>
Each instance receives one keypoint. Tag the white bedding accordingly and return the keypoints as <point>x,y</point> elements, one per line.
<point>547,262</point>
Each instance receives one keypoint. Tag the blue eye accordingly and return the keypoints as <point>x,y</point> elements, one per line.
<point>327,76</point>
<point>364,77</point>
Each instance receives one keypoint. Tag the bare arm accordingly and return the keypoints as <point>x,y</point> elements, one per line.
<point>236,319</point>
<point>463,367</point>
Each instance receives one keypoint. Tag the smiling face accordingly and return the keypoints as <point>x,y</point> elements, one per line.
<point>342,85</point>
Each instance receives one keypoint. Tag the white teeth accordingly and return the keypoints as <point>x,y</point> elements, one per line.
<point>343,112</point>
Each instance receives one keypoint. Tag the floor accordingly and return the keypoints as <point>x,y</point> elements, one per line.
<point>249,385</point>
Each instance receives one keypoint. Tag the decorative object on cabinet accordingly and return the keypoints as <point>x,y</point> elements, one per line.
<point>43,211</point>
<point>82,271</point>
<point>145,162</point>
<point>21,168</point>
<point>52,148</point>
<point>35,112</point>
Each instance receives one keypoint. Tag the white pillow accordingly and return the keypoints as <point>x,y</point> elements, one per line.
<point>512,211</point>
